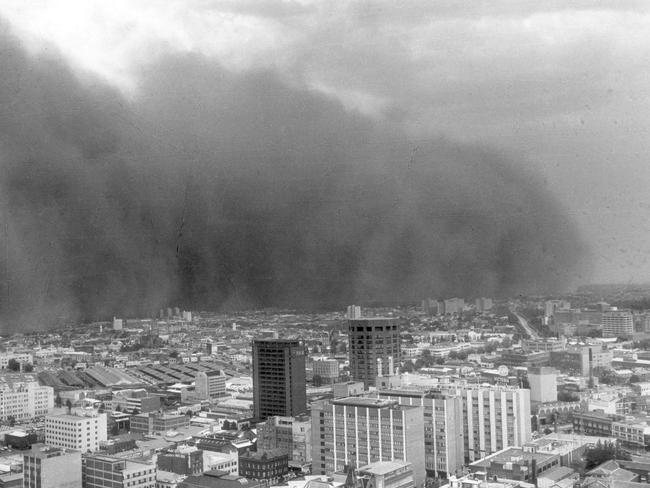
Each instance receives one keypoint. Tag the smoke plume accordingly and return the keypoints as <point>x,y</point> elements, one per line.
<point>213,189</point>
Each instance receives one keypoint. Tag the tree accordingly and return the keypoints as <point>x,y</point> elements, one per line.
<point>28,367</point>
<point>118,408</point>
<point>135,411</point>
<point>13,365</point>
<point>567,396</point>
<point>189,413</point>
<point>68,404</point>
<point>317,380</point>
<point>11,420</point>
<point>603,451</point>
<point>57,401</point>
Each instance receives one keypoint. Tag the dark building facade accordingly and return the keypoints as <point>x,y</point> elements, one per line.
<point>278,378</point>
<point>187,463</point>
<point>371,339</point>
<point>268,465</point>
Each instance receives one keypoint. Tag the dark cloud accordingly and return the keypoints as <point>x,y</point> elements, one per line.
<point>213,189</point>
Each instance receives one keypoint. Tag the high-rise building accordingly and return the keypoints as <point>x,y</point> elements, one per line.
<point>443,428</point>
<point>543,384</point>
<point>372,339</point>
<point>617,323</point>
<point>51,467</point>
<point>101,471</point>
<point>79,431</point>
<point>279,386</point>
<point>210,384</point>
<point>494,417</point>
<point>357,431</point>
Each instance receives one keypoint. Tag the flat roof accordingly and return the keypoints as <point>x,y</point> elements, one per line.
<point>384,467</point>
<point>370,402</point>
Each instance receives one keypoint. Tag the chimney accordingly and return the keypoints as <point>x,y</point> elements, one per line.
<point>379,368</point>
<point>391,371</point>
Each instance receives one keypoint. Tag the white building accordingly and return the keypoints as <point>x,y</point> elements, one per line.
<point>117,324</point>
<point>24,399</point>
<point>20,356</point>
<point>543,384</point>
<point>78,431</point>
<point>221,461</point>
<point>210,384</point>
<point>494,417</point>
<point>51,467</point>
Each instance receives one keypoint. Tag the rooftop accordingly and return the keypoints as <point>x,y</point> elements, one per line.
<point>384,467</point>
<point>514,455</point>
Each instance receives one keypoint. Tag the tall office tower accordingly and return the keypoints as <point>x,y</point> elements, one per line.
<point>82,432</point>
<point>371,339</point>
<point>494,417</point>
<point>101,471</point>
<point>443,428</point>
<point>357,431</point>
<point>543,384</point>
<point>279,378</point>
<point>51,467</point>
<point>617,323</point>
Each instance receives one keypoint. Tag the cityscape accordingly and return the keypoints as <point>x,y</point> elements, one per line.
<point>315,244</point>
<point>524,392</point>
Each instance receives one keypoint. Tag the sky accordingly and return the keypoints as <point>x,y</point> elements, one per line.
<point>560,88</point>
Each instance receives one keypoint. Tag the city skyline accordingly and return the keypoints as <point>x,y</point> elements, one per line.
<point>226,155</point>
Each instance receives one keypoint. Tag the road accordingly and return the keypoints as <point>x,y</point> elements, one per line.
<point>524,325</point>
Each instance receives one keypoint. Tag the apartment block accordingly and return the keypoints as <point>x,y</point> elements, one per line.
<point>359,431</point>
<point>494,417</point>
<point>618,323</point>
<point>80,431</point>
<point>443,428</point>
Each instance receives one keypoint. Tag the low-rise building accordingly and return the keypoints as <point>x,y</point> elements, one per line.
<point>269,466</point>
<point>158,423</point>
<point>83,431</point>
<point>101,471</point>
<point>51,467</point>
<point>387,474</point>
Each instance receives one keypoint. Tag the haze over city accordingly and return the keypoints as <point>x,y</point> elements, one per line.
<point>232,155</point>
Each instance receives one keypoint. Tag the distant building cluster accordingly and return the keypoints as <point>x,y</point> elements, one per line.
<point>480,393</point>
